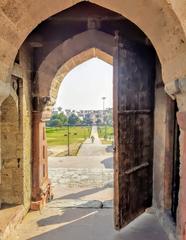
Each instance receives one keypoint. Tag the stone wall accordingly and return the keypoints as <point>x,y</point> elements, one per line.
<point>11,184</point>
<point>163,158</point>
<point>16,135</point>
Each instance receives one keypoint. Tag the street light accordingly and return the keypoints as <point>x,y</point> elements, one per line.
<point>104,122</point>
<point>103,98</point>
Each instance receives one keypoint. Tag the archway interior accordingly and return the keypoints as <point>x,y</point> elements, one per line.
<point>52,50</point>
<point>60,38</point>
<point>88,29</point>
<point>75,61</point>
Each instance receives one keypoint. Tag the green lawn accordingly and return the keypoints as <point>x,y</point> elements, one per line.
<point>106,134</point>
<point>59,136</point>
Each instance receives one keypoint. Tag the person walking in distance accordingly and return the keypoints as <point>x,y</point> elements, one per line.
<point>92,139</point>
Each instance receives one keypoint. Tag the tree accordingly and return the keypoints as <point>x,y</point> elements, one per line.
<point>63,118</point>
<point>57,120</point>
<point>54,123</point>
<point>87,120</point>
<point>73,119</point>
<point>98,121</point>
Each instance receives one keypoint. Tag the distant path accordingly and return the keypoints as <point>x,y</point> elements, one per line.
<point>91,168</point>
<point>91,155</point>
<point>92,149</point>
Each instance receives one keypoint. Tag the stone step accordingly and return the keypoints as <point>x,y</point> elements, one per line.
<point>78,203</point>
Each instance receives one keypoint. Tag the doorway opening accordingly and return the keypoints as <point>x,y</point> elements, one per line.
<point>80,137</point>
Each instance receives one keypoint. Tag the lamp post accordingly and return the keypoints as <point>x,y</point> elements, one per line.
<point>68,137</point>
<point>103,98</point>
<point>68,134</point>
<point>104,122</point>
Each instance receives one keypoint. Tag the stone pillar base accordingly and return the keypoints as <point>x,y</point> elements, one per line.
<point>46,196</point>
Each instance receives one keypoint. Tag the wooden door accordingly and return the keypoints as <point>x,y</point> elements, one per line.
<point>134,75</point>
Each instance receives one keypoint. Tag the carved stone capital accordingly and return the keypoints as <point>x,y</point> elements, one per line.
<point>44,106</point>
<point>40,103</point>
<point>176,87</point>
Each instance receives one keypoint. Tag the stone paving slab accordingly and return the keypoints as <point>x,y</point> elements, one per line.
<point>79,203</point>
<point>81,177</point>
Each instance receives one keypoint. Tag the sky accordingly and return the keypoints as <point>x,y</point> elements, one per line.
<point>85,85</point>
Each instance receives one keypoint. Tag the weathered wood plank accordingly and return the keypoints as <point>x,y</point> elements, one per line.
<point>133,123</point>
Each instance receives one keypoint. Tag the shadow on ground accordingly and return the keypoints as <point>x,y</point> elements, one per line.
<point>109,149</point>
<point>98,225</point>
<point>108,163</point>
<point>69,215</point>
<point>81,194</point>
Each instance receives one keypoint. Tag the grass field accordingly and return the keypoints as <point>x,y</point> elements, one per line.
<point>106,134</point>
<point>59,137</point>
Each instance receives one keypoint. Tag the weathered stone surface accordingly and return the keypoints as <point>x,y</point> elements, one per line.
<point>81,177</point>
<point>108,204</point>
<point>76,203</point>
<point>11,218</point>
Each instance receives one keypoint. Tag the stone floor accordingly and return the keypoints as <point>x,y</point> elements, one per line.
<point>10,216</point>
<point>56,223</point>
<point>91,169</point>
<point>84,213</point>
<point>83,193</point>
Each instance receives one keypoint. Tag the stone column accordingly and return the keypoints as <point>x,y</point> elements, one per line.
<point>41,187</point>
<point>177,90</point>
<point>181,117</point>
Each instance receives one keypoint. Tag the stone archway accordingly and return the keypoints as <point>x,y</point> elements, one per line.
<point>166,30</point>
<point>51,64</point>
<point>63,66</point>
<point>63,55</point>
<point>162,21</point>
<point>72,63</point>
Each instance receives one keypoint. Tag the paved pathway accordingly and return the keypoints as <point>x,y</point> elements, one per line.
<point>74,213</point>
<point>91,170</point>
<point>92,149</point>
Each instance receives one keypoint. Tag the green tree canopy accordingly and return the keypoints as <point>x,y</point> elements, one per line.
<point>74,119</point>
<point>57,120</point>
